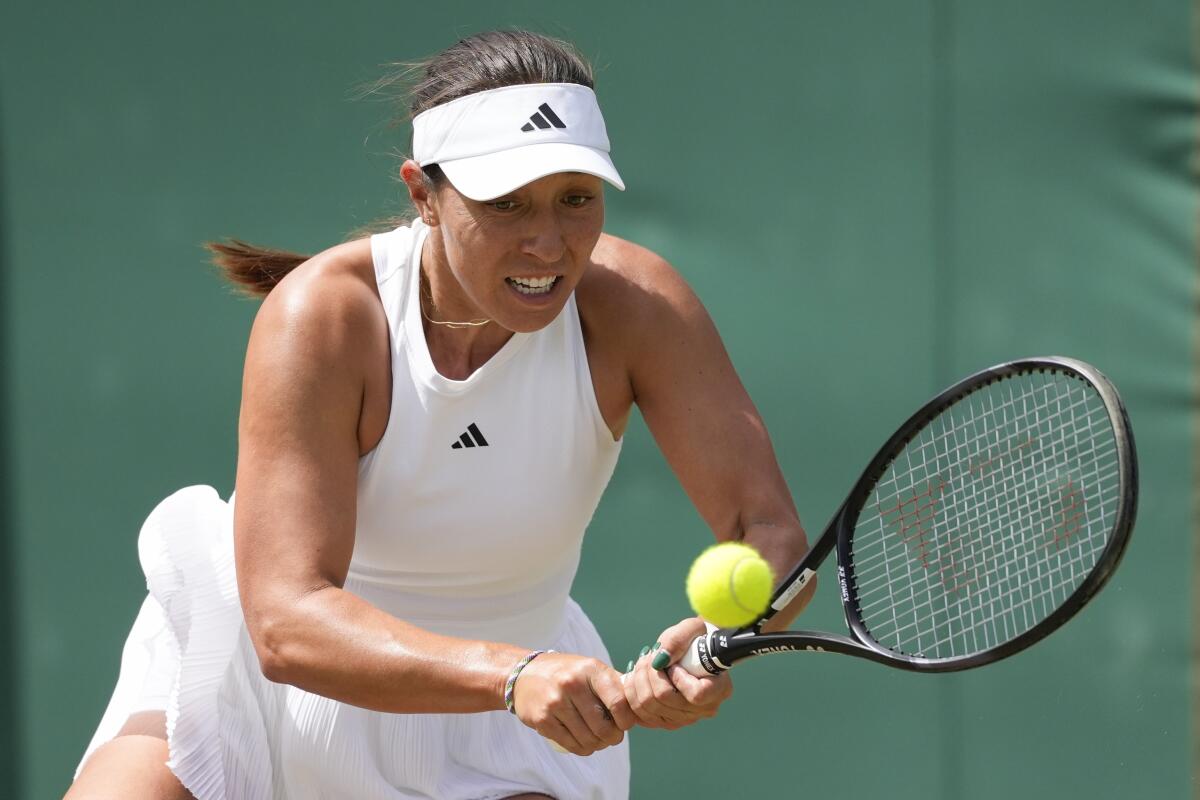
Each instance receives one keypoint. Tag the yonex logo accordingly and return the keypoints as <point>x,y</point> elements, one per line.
<point>472,438</point>
<point>543,118</point>
<point>777,648</point>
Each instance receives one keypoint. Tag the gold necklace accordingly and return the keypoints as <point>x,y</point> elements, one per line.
<point>427,293</point>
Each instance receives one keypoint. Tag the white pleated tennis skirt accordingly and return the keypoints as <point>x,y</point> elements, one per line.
<point>233,735</point>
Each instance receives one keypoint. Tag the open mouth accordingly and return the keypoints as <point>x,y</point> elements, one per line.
<point>533,286</point>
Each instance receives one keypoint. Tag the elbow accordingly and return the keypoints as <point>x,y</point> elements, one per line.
<point>269,635</point>
<point>273,669</point>
<point>282,630</point>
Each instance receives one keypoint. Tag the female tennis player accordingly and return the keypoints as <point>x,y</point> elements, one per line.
<point>429,418</point>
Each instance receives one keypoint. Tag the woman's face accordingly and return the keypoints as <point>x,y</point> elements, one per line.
<point>517,258</point>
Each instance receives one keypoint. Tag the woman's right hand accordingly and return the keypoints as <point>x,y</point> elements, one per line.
<point>575,701</point>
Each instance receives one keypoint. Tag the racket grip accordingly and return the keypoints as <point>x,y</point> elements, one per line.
<point>693,660</point>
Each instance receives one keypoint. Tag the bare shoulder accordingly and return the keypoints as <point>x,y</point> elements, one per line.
<point>322,331</point>
<point>622,265</point>
<point>328,306</point>
<point>633,292</point>
<point>335,285</point>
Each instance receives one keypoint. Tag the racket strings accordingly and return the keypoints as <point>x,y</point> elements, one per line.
<point>989,518</point>
<point>975,513</point>
<point>999,598</point>
<point>975,446</point>
<point>986,549</point>
<point>1003,596</point>
<point>973,503</point>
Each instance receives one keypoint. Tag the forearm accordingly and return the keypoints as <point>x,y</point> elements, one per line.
<point>337,645</point>
<point>782,544</point>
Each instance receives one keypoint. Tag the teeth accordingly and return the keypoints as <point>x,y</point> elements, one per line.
<point>533,285</point>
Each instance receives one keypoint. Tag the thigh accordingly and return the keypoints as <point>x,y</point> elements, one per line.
<point>134,764</point>
<point>146,723</point>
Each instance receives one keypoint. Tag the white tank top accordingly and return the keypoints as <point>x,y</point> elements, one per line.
<point>479,541</point>
<point>473,506</point>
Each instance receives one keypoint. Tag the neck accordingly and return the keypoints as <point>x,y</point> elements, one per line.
<point>459,348</point>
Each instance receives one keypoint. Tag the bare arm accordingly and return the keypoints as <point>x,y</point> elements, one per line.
<point>306,369</point>
<point>711,434</point>
<point>703,420</point>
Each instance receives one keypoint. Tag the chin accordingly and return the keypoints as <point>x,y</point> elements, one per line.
<point>529,322</point>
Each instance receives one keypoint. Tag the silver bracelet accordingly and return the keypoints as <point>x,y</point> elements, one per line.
<point>511,683</point>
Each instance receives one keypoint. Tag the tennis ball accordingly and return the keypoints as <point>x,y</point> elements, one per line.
<point>730,584</point>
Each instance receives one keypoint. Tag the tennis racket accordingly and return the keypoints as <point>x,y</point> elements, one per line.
<point>989,519</point>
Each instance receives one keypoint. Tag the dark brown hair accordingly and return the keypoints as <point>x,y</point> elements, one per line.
<point>475,64</point>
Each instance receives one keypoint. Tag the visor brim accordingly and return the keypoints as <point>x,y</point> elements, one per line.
<point>493,175</point>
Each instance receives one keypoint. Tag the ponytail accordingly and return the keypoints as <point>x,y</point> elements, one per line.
<point>253,270</point>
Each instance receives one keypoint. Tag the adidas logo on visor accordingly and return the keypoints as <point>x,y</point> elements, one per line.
<point>543,118</point>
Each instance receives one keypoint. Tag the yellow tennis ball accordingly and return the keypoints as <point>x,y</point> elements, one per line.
<point>730,584</point>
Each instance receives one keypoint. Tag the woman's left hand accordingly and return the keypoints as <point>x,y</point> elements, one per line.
<point>672,697</point>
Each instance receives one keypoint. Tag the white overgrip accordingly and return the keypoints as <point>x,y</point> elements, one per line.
<point>691,658</point>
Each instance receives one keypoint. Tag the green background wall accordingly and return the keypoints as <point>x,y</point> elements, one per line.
<point>871,197</point>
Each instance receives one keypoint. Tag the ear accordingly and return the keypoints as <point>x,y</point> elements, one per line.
<point>420,190</point>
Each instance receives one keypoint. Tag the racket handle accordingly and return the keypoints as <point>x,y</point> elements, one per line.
<point>693,660</point>
<point>690,661</point>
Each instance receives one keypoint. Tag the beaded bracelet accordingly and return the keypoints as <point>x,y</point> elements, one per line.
<point>512,677</point>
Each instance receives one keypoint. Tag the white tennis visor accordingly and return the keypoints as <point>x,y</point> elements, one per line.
<point>492,142</point>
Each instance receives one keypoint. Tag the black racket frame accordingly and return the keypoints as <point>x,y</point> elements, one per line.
<point>723,647</point>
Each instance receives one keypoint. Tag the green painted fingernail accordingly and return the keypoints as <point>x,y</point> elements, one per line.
<point>629,667</point>
<point>644,651</point>
<point>661,660</point>
<point>656,645</point>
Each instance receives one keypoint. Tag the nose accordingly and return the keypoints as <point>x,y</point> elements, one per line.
<point>544,238</point>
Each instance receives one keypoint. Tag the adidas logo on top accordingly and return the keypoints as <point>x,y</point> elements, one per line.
<point>543,118</point>
<point>472,438</point>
